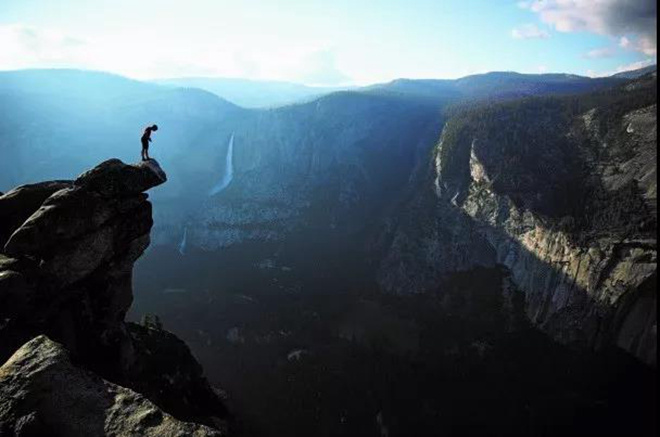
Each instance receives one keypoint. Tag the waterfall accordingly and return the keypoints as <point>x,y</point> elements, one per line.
<point>229,169</point>
<point>184,242</point>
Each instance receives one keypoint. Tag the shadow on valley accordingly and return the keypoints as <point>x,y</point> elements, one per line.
<point>304,344</point>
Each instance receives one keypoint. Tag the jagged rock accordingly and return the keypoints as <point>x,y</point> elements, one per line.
<point>66,272</point>
<point>42,392</point>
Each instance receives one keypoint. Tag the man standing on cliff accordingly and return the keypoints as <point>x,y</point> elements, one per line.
<point>146,139</point>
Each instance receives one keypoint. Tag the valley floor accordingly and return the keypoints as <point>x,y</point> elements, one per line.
<point>302,348</point>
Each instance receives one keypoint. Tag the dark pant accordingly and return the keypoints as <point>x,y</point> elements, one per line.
<point>145,149</point>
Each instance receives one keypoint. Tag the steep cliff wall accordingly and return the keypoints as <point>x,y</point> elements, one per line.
<point>331,166</point>
<point>563,193</point>
<point>66,273</point>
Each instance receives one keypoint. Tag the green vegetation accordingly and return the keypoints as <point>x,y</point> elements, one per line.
<point>541,153</point>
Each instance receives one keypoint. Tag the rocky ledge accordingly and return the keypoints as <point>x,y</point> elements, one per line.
<point>67,250</point>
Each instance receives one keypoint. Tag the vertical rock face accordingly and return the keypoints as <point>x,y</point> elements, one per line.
<point>330,165</point>
<point>564,193</point>
<point>577,292</point>
<point>66,272</point>
<point>586,270</point>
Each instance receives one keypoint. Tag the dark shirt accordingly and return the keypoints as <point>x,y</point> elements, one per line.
<point>146,136</point>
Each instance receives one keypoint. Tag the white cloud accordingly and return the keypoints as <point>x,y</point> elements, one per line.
<point>605,17</point>
<point>603,52</point>
<point>529,31</point>
<point>641,44</point>
<point>23,46</point>
<point>320,68</point>
<point>144,55</point>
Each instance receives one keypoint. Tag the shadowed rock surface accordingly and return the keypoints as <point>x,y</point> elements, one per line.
<point>18,204</point>
<point>66,272</point>
<point>42,392</point>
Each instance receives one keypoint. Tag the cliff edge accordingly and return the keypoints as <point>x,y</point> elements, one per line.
<point>66,261</point>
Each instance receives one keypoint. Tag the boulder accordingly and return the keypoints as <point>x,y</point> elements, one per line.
<point>19,204</point>
<point>42,392</point>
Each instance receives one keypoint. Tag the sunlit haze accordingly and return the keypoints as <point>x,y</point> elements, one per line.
<point>336,42</point>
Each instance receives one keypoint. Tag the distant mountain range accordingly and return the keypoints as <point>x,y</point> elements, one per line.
<point>495,85</point>
<point>252,93</point>
<point>58,122</point>
<point>634,74</point>
<point>270,94</point>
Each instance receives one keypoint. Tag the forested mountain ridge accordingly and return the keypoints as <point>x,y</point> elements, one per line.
<point>562,191</point>
<point>497,86</point>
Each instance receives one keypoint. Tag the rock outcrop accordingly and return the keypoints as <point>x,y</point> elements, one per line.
<point>42,392</point>
<point>19,204</point>
<point>66,272</point>
<point>563,192</point>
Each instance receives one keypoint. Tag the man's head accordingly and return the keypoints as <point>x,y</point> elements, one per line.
<point>154,127</point>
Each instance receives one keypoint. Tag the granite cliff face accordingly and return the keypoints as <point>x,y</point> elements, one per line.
<point>329,165</point>
<point>562,192</point>
<point>65,278</point>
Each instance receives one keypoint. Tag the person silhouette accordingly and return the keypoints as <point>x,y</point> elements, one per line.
<point>146,139</point>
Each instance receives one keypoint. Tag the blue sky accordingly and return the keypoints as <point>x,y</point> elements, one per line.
<point>330,42</point>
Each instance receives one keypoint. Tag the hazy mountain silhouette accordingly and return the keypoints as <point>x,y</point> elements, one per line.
<point>253,93</point>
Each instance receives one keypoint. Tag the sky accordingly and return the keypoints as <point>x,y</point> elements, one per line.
<point>329,42</point>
